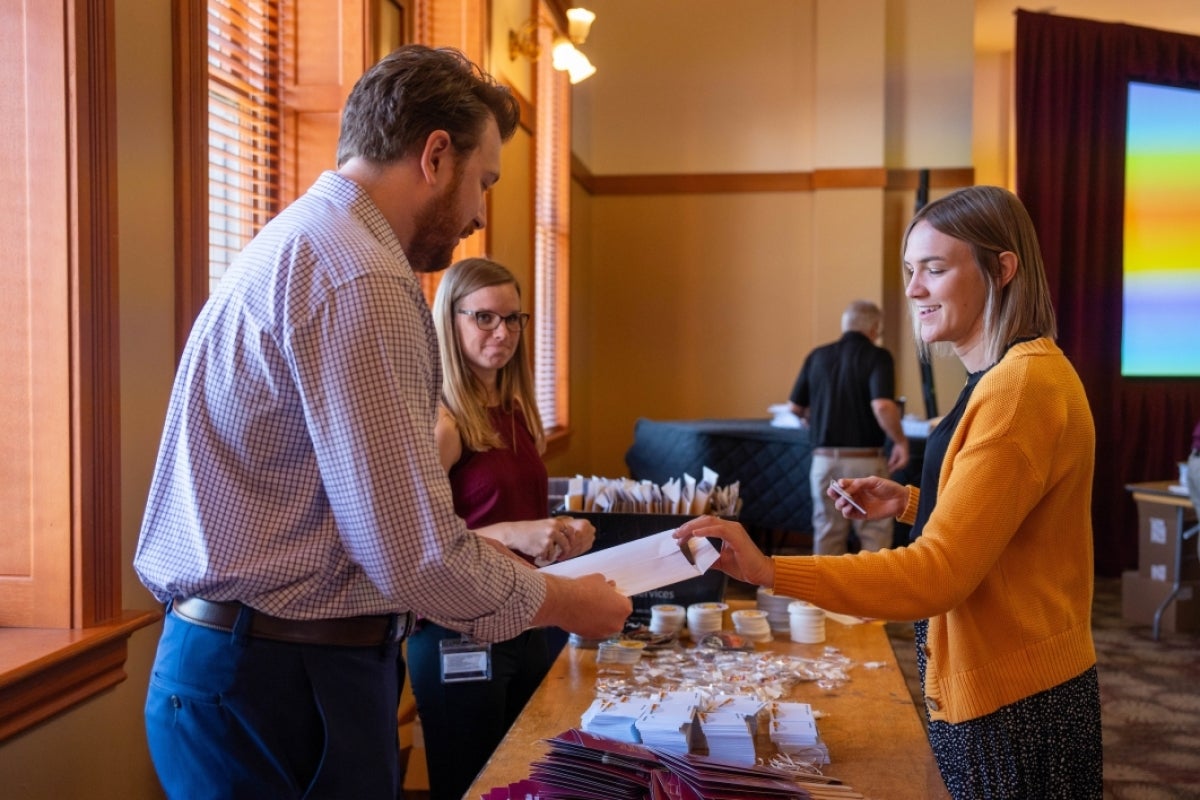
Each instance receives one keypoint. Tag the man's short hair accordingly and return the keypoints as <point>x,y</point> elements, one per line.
<point>414,91</point>
<point>862,316</point>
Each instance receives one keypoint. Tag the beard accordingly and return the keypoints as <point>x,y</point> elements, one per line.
<point>438,230</point>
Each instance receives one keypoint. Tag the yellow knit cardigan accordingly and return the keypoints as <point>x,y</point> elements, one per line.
<point>1003,568</point>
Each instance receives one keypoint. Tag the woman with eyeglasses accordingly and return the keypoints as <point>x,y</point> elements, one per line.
<point>490,438</point>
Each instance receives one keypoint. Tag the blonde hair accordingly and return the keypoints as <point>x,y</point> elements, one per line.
<point>463,395</point>
<point>992,220</point>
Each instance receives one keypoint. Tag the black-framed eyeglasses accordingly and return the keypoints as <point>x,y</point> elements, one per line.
<point>490,320</point>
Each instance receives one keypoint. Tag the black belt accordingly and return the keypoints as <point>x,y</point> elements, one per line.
<point>363,631</point>
<point>848,452</point>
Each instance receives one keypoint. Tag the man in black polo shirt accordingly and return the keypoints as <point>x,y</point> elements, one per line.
<point>845,393</point>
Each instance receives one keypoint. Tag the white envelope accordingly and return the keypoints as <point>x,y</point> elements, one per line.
<point>644,564</point>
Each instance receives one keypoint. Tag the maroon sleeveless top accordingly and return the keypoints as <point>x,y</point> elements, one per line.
<point>507,484</point>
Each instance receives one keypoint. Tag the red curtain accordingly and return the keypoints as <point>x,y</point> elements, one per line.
<point>1071,94</point>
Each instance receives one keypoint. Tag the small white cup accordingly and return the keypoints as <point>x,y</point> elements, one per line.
<point>752,624</point>
<point>705,618</point>
<point>666,619</point>
<point>807,623</point>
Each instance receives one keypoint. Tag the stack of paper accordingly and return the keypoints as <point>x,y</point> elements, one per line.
<point>586,767</point>
<point>580,766</point>
<point>615,719</point>
<point>667,724</point>
<point>793,729</point>
<point>729,725</point>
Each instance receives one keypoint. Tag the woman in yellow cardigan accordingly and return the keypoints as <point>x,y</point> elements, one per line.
<point>998,576</point>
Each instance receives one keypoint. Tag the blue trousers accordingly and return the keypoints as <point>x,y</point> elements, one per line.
<point>463,722</point>
<point>230,717</point>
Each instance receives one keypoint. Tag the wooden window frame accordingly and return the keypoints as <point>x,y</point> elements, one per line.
<point>244,124</point>
<point>552,232</point>
<point>191,164</point>
<point>193,278</point>
<point>462,24</point>
<point>317,73</point>
<point>47,668</point>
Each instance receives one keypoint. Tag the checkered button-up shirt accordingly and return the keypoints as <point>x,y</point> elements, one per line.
<point>298,471</point>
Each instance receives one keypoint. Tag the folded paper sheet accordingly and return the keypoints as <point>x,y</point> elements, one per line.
<point>644,564</point>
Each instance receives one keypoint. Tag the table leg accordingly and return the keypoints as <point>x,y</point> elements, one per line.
<point>1170,598</point>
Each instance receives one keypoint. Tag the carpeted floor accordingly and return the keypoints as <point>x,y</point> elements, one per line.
<point>1150,695</point>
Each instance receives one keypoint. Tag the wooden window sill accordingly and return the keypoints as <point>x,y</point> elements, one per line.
<point>557,442</point>
<point>44,671</point>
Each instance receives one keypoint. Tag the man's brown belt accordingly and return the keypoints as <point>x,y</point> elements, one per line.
<point>343,632</point>
<point>848,452</point>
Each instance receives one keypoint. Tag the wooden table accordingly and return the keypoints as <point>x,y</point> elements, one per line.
<point>876,742</point>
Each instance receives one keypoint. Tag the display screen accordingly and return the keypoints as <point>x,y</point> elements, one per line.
<point>1160,334</point>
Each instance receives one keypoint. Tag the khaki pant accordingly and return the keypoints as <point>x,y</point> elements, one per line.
<point>830,529</point>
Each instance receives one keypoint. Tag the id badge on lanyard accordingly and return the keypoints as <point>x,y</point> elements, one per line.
<point>465,660</point>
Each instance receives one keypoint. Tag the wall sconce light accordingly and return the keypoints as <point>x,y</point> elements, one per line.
<point>565,55</point>
<point>579,23</point>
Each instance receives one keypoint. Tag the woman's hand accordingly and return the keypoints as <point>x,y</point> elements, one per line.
<point>739,558</point>
<point>580,533</point>
<point>544,540</point>
<point>878,498</point>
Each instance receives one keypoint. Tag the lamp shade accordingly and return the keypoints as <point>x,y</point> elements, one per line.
<point>579,22</point>
<point>569,59</point>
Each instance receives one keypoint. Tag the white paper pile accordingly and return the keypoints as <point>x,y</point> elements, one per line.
<point>615,719</point>
<point>793,729</point>
<point>729,725</point>
<point>667,723</point>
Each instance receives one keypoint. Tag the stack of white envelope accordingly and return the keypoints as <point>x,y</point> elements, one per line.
<point>793,729</point>
<point>615,718</point>
<point>668,723</point>
<point>729,725</point>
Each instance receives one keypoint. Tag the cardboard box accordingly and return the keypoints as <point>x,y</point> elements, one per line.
<point>1158,530</point>
<point>614,529</point>
<point>1141,597</point>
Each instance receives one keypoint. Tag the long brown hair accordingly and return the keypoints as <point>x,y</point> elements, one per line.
<point>463,394</point>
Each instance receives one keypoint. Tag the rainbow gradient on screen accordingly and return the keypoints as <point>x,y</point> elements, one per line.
<point>1160,333</point>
